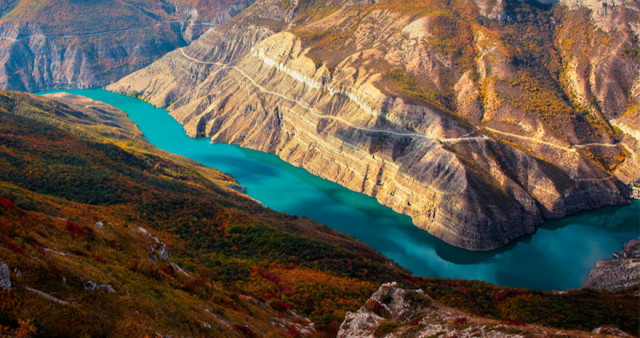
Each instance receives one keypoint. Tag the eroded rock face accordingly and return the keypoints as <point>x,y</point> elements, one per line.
<point>617,273</point>
<point>477,177</point>
<point>38,54</point>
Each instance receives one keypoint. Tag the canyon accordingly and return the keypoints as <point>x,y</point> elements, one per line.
<point>88,44</point>
<point>528,112</point>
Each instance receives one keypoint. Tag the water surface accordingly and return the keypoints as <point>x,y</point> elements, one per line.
<point>559,256</point>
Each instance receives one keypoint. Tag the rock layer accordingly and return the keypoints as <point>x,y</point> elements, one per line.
<point>383,115</point>
<point>62,44</point>
<point>617,273</point>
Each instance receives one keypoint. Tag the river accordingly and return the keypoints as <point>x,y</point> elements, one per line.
<point>558,256</point>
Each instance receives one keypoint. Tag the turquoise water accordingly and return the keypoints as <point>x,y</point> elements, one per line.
<point>559,256</point>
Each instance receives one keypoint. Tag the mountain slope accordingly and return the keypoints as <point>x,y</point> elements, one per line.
<point>78,209</point>
<point>103,234</point>
<point>478,120</point>
<point>79,44</point>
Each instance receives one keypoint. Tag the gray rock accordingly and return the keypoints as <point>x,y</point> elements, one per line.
<point>620,272</point>
<point>5,276</point>
<point>611,331</point>
<point>237,188</point>
<point>163,253</point>
<point>93,286</point>
<point>89,285</point>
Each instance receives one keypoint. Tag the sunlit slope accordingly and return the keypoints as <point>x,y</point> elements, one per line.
<point>78,44</point>
<point>98,226</point>
<point>477,119</point>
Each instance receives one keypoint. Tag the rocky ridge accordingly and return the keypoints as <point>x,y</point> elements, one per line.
<point>617,273</point>
<point>394,312</point>
<point>382,108</point>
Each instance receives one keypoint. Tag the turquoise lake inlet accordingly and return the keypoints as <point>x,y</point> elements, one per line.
<point>558,256</point>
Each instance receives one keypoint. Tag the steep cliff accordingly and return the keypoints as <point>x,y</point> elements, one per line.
<point>617,273</point>
<point>79,44</point>
<point>477,125</point>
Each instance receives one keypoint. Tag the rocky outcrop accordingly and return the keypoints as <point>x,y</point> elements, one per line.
<point>611,331</point>
<point>93,286</point>
<point>37,52</point>
<point>617,273</point>
<point>394,312</point>
<point>5,276</point>
<point>471,155</point>
<point>158,252</point>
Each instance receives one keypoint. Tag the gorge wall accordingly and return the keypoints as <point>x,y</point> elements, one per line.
<point>478,135</point>
<point>70,44</point>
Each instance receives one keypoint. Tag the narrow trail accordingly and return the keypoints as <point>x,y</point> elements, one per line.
<point>318,115</point>
<point>570,148</point>
<point>315,113</point>
<point>596,144</point>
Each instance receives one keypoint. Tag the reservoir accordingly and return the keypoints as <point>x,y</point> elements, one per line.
<point>558,256</point>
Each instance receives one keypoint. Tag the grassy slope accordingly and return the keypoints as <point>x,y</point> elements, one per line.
<point>247,265</point>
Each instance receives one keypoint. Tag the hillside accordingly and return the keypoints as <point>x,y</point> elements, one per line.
<point>98,226</point>
<point>478,119</point>
<point>79,44</point>
<point>88,208</point>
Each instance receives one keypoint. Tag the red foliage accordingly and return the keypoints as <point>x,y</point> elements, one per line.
<point>98,258</point>
<point>5,203</point>
<point>245,330</point>
<point>14,248</point>
<point>166,270</point>
<point>415,322</point>
<point>293,330</point>
<point>282,287</point>
<point>75,229</point>
<point>461,320</point>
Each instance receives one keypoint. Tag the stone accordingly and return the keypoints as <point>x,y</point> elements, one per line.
<point>93,286</point>
<point>618,273</point>
<point>5,276</point>
<point>611,331</point>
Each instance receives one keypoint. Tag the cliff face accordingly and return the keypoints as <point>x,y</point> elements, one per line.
<point>67,44</point>
<point>466,122</point>
<point>617,273</point>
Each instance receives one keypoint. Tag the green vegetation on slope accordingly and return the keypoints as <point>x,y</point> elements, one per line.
<point>246,266</point>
